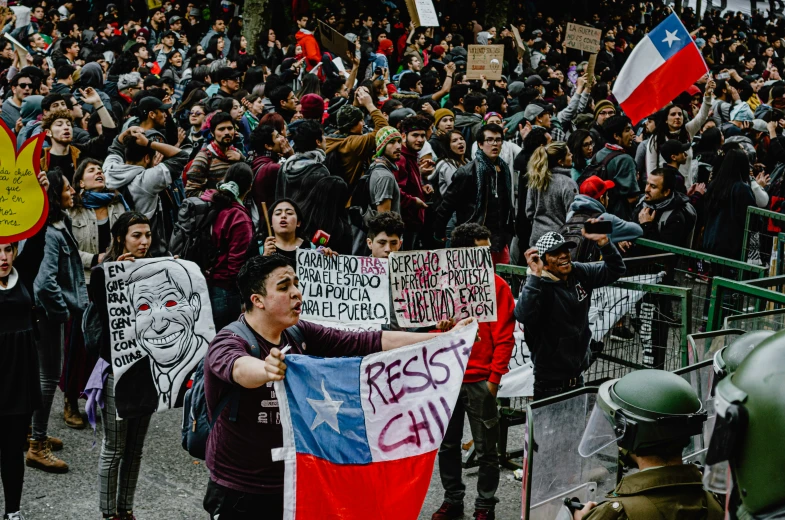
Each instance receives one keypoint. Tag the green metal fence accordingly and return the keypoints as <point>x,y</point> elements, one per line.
<point>761,231</point>
<point>733,298</point>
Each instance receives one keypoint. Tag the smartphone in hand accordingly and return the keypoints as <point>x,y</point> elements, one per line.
<point>600,227</point>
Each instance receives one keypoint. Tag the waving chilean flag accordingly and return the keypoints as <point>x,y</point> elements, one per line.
<point>662,66</point>
<point>361,434</point>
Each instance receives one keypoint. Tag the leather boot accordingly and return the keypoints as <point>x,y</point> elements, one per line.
<point>55,444</point>
<point>40,456</point>
<point>73,419</point>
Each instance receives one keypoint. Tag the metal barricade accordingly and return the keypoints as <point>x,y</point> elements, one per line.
<point>761,236</point>
<point>731,298</point>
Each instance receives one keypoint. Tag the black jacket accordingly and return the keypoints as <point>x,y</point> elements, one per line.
<point>555,316</point>
<point>678,225</point>
<point>461,198</point>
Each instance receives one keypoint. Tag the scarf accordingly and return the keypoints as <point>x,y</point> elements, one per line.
<point>100,199</point>
<point>486,169</point>
<point>660,205</point>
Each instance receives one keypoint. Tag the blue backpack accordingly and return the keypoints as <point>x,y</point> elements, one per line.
<point>196,425</point>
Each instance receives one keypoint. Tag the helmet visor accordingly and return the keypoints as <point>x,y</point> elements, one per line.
<point>600,432</point>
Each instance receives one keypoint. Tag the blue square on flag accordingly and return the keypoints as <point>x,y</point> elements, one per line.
<point>670,36</point>
<point>325,407</point>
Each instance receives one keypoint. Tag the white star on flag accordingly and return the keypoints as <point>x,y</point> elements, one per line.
<point>326,410</point>
<point>670,37</point>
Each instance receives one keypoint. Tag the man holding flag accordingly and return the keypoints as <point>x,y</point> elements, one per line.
<point>245,480</point>
<point>662,66</point>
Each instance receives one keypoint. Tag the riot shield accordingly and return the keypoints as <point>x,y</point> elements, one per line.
<point>704,345</point>
<point>553,467</point>
<point>766,320</point>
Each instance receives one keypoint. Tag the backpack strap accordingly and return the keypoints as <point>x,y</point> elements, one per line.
<point>297,335</point>
<point>241,329</point>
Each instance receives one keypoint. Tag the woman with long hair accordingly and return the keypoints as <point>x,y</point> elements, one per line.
<point>310,85</point>
<point>182,113</point>
<point>551,189</point>
<point>671,125</point>
<point>123,441</point>
<point>325,207</point>
<point>20,391</point>
<point>173,68</point>
<point>726,201</point>
<point>455,149</point>
<point>60,294</point>
<point>287,225</point>
<point>537,137</point>
<point>215,48</point>
<point>239,47</point>
<point>232,234</point>
<point>271,52</point>
<point>581,145</point>
<point>707,153</point>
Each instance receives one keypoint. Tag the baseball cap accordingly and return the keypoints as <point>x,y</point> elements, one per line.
<point>174,19</point>
<point>533,81</point>
<point>759,125</point>
<point>672,147</point>
<point>516,88</point>
<point>551,242</point>
<point>535,109</point>
<point>595,187</point>
<point>150,103</point>
<point>225,73</point>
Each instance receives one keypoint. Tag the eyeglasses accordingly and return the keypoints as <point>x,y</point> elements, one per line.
<point>608,112</point>
<point>589,144</point>
<point>197,113</point>
<point>24,85</point>
<point>494,141</point>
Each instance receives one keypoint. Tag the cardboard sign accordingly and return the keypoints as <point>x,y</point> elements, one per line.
<point>344,288</point>
<point>518,41</point>
<point>333,41</point>
<point>160,324</point>
<point>485,60</point>
<point>422,13</point>
<point>430,286</point>
<point>590,77</point>
<point>23,202</point>
<point>582,38</point>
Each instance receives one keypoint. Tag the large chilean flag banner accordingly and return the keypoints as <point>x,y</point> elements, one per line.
<point>662,66</point>
<point>361,434</point>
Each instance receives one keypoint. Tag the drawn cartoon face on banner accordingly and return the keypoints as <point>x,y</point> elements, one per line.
<point>160,324</point>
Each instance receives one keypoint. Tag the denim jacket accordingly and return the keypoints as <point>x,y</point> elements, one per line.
<point>60,284</point>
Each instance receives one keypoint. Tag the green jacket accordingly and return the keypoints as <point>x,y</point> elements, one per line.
<point>666,493</point>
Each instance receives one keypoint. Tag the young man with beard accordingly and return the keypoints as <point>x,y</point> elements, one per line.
<point>22,85</point>
<point>284,101</point>
<point>59,128</point>
<point>269,147</point>
<point>481,192</point>
<point>619,165</point>
<point>244,481</point>
<point>664,212</point>
<point>554,309</point>
<point>410,178</point>
<point>211,162</point>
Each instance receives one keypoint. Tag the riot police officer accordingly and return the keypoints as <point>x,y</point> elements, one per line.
<point>749,429</point>
<point>651,415</point>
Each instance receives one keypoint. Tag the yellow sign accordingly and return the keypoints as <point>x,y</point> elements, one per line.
<point>23,203</point>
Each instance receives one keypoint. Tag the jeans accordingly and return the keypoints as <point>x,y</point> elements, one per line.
<point>226,304</point>
<point>121,455</point>
<point>227,504</point>
<point>477,402</point>
<point>50,364</point>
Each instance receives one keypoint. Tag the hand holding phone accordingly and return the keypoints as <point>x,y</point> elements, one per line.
<point>598,227</point>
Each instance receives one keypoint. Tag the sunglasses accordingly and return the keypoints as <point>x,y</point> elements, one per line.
<point>24,85</point>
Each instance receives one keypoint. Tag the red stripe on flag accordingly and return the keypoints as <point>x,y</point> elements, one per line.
<point>391,490</point>
<point>664,84</point>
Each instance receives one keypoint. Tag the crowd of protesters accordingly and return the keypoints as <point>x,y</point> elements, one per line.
<point>391,147</point>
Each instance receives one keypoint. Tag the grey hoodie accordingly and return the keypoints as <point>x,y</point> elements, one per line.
<point>622,230</point>
<point>299,174</point>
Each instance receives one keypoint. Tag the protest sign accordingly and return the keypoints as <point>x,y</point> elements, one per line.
<point>582,38</point>
<point>23,202</point>
<point>518,41</point>
<point>422,13</point>
<point>343,288</point>
<point>591,79</point>
<point>375,421</point>
<point>485,60</point>
<point>353,327</point>
<point>160,323</point>
<point>333,41</point>
<point>430,286</point>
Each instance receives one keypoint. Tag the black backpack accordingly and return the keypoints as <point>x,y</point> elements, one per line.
<point>600,169</point>
<point>587,250</point>
<point>197,425</point>
<point>192,235</point>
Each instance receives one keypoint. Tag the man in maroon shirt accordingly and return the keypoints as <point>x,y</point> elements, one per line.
<point>409,176</point>
<point>244,481</point>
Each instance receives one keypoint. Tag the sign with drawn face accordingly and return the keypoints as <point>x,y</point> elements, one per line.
<point>160,324</point>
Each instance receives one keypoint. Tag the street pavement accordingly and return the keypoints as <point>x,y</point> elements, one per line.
<point>172,484</point>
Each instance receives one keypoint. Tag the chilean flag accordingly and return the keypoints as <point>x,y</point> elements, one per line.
<point>361,434</point>
<point>662,66</point>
